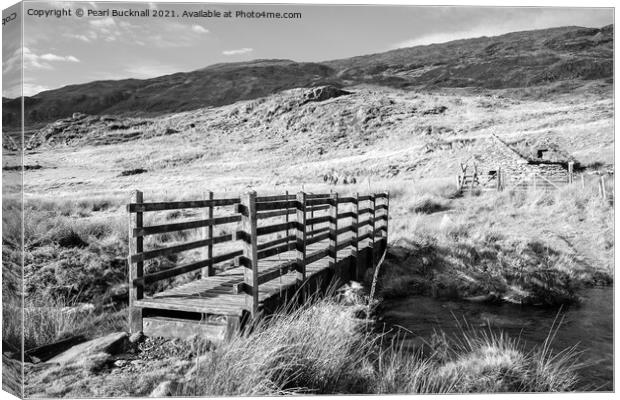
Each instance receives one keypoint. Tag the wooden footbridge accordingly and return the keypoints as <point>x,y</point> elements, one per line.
<point>256,254</point>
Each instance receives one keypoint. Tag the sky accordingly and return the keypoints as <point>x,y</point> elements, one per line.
<point>72,50</point>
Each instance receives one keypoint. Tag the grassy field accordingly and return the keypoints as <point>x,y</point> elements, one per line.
<point>531,247</point>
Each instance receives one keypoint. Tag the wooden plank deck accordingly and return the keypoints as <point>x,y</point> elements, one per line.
<point>214,294</point>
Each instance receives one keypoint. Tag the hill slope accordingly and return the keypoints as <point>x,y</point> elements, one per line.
<point>515,60</point>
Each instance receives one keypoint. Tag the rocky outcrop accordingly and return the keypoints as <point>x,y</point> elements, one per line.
<point>94,349</point>
<point>323,93</point>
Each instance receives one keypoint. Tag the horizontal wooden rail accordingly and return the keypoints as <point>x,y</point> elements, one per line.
<point>155,229</point>
<point>266,245</point>
<point>350,214</point>
<point>318,231</point>
<point>317,195</point>
<point>178,205</point>
<point>169,273</point>
<point>342,200</point>
<point>318,238</point>
<point>278,213</point>
<point>345,244</point>
<point>317,255</point>
<point>318,220</point>
<point>345,229</point>
<point>266,230</point>
<point>318,202</point>
<point>147,255</point>
<point>317,208</point>
<point>264,199</point>
<point>272,251</point>
<point>276,205</point>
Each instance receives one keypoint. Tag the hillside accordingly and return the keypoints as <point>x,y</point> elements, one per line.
<point>516,60</point>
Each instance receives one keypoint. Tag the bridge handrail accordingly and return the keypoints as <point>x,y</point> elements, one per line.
<point>299,232</point>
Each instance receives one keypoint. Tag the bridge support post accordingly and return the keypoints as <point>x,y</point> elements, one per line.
<point>387,215</point>
<point>301,237</point>
<point>207,233</point>
<point>333,229</point>
<point>250,252</point>
<point>136,270</point>
<point>356,234</point>
<point>373,199</point>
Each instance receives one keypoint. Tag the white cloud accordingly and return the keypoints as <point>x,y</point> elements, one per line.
<point>235,52</point>
<point>199,29</point>
<point>83,38</point>
<point>54,57</point>
<point>104,22</point>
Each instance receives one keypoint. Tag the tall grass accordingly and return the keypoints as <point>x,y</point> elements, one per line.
<point>323,349</point>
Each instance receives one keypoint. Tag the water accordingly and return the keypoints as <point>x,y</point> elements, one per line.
<point>589,326</point>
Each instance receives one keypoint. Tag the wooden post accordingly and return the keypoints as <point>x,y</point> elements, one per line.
<point>355,222</point>
<point>387,215</point>
<point>603,190</point>
<point>583,182</point>
<point>458,182</point>
<point>287,218</point>
<point>250,252</point>
<point>207,233</point>
<point>333,229</point>
<point>374,207</point>
<point>499,179</point>
<point>301,237</point>
<point>136,270</point>
<point>571,165</point>
<point>312,225</point>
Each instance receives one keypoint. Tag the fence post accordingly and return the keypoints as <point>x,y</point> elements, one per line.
<point>603,191</point>
<point>387,215</point>
<point>207,233</point>
<point>583,182</point>
<point>333,229</point>
<point>356,235</point>
<point>373,198</point>
<point>250,252</point>
<point>499,179</point>
<point>570,171</point>
<point>136,270</point>
<point>301,237</point>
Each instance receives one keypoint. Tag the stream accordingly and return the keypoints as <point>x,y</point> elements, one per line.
<point>588,325</point>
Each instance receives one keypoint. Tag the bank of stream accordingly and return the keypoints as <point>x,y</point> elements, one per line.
<point>588,325</point>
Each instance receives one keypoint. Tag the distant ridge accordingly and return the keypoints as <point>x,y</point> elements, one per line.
<point>513,60</point>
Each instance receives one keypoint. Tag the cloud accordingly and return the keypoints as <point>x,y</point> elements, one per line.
<point>235,52</point>
<point>83,38</point>
<point>199,29</point>
<point>104,22</point>
<point>54,57</point>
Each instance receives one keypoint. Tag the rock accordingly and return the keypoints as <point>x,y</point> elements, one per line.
<point>446,223</point>
<point>170,131</point>
<point>136,337</point>
<point>351,293</point>
<point>120,363</point>
<point>93,362</point>
<point>110,344</point>
<point>165,389</point>
<point>323,93</point>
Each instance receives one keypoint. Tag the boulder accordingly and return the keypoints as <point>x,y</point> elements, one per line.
<point>323,93</point>
<point>165,389</point>
<point>110,344</point>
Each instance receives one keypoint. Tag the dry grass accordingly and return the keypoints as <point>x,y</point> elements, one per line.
<point>324,349</point>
